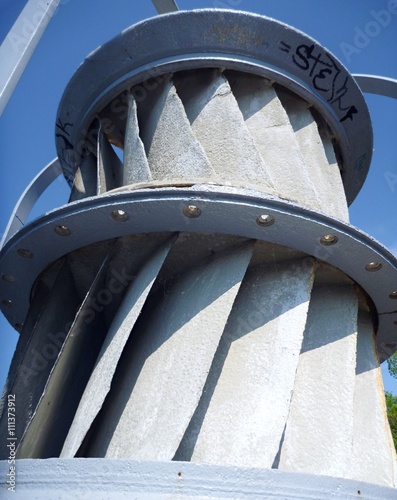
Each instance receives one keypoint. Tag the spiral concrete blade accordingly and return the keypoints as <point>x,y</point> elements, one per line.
<point>54,413</point>
<point>164,367</point>
<point>99,383</point>
<point>85,180</point>
<point>323,395</point>
<point>242,413</point>
<point>136,167</point>
<point>370,432</point>
<point>173,150</point>
<point>271,130</point>
<point>109,169</point>
<point>218,124</point>
<point>40,352</point>
<point>319,156</point>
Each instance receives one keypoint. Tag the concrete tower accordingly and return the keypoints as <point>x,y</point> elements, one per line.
<point>202,310</point>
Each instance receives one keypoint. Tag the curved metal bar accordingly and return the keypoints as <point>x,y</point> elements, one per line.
<point>29,197</point>
<point>165,6</point>
<point>380,85</point>
<point>18,47</point>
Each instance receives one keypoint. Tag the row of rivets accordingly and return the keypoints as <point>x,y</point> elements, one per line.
<point>192,212</point>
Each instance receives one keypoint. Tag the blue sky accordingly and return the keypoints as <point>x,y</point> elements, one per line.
<point>80,26</point>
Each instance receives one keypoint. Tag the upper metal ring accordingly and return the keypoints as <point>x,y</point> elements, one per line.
<point>227,39</point>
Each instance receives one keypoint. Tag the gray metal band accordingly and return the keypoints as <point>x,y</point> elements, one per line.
<point>219,38</point>
<point>29,197</point>
<point>223,210</point>
<point>102,479</point>
<point>380,85</point>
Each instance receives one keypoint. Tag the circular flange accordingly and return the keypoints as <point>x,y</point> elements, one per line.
<point>224,210</point>
<point>98,478</point>
<point>227,39</point>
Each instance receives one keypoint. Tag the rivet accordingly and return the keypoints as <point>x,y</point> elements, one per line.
<point>7,303</point>
<point>329,239</point>
<point>393,295</point>
<point>62,230</point>
<point>120,215</point>
<point>18,326</point>
<point>373,266</point>
<point>23,252</point>
<point>9,278</point>
<point>192,211</point>
<point>265,220</point>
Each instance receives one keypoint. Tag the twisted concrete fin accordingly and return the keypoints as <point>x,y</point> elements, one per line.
<point>325,187</point>
<point>373,449</point>
<point>110,170</point>
<point>323,392</point>
<point>218,124</point>
<point>172,148</point>
<point>165,365</point>
<point>40,352</point>
<point>136,166</point>
<point>85,180</point>
<point>48,428</point>
<point>272,133</point>
<point>99,383</point>
<point>245,403</point>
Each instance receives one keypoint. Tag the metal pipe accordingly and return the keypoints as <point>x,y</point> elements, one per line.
<point>20,43</point>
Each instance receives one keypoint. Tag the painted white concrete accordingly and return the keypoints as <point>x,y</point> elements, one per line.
<point>374,456</point>
<point>165,369</point>
<point>173,150</point>
<point>101,378</point>
<point>254,372</point>
<point>136,166</point>
<point>319,428</point>
<point>219,126</point>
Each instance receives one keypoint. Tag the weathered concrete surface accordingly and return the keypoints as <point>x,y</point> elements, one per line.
<point>85,181</point>
<point>136,166</point>
<point>319,428</point>
<point>374,456</point>
<point>78,351</point>
<point>244,407</point>
<point>321,165</point>
<point>164,367</point>
<point>172,149</point>
<point>110,168</point>
<point>219,126</point>
<point>29,374</point>
<point>100,381</point>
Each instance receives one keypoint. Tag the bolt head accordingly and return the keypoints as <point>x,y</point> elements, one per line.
<point>328,240</point>
<point>9,278</point>
<point>23,252</point>
<point>191,211</point>
<point>393,294</point>
<point>120,215</point>
<point>62,230</point>
<point>373,266</point>
<point>265,220</point>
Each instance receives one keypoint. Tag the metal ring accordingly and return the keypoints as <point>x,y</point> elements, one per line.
<point>219,38</point>
<point>222,210</point>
